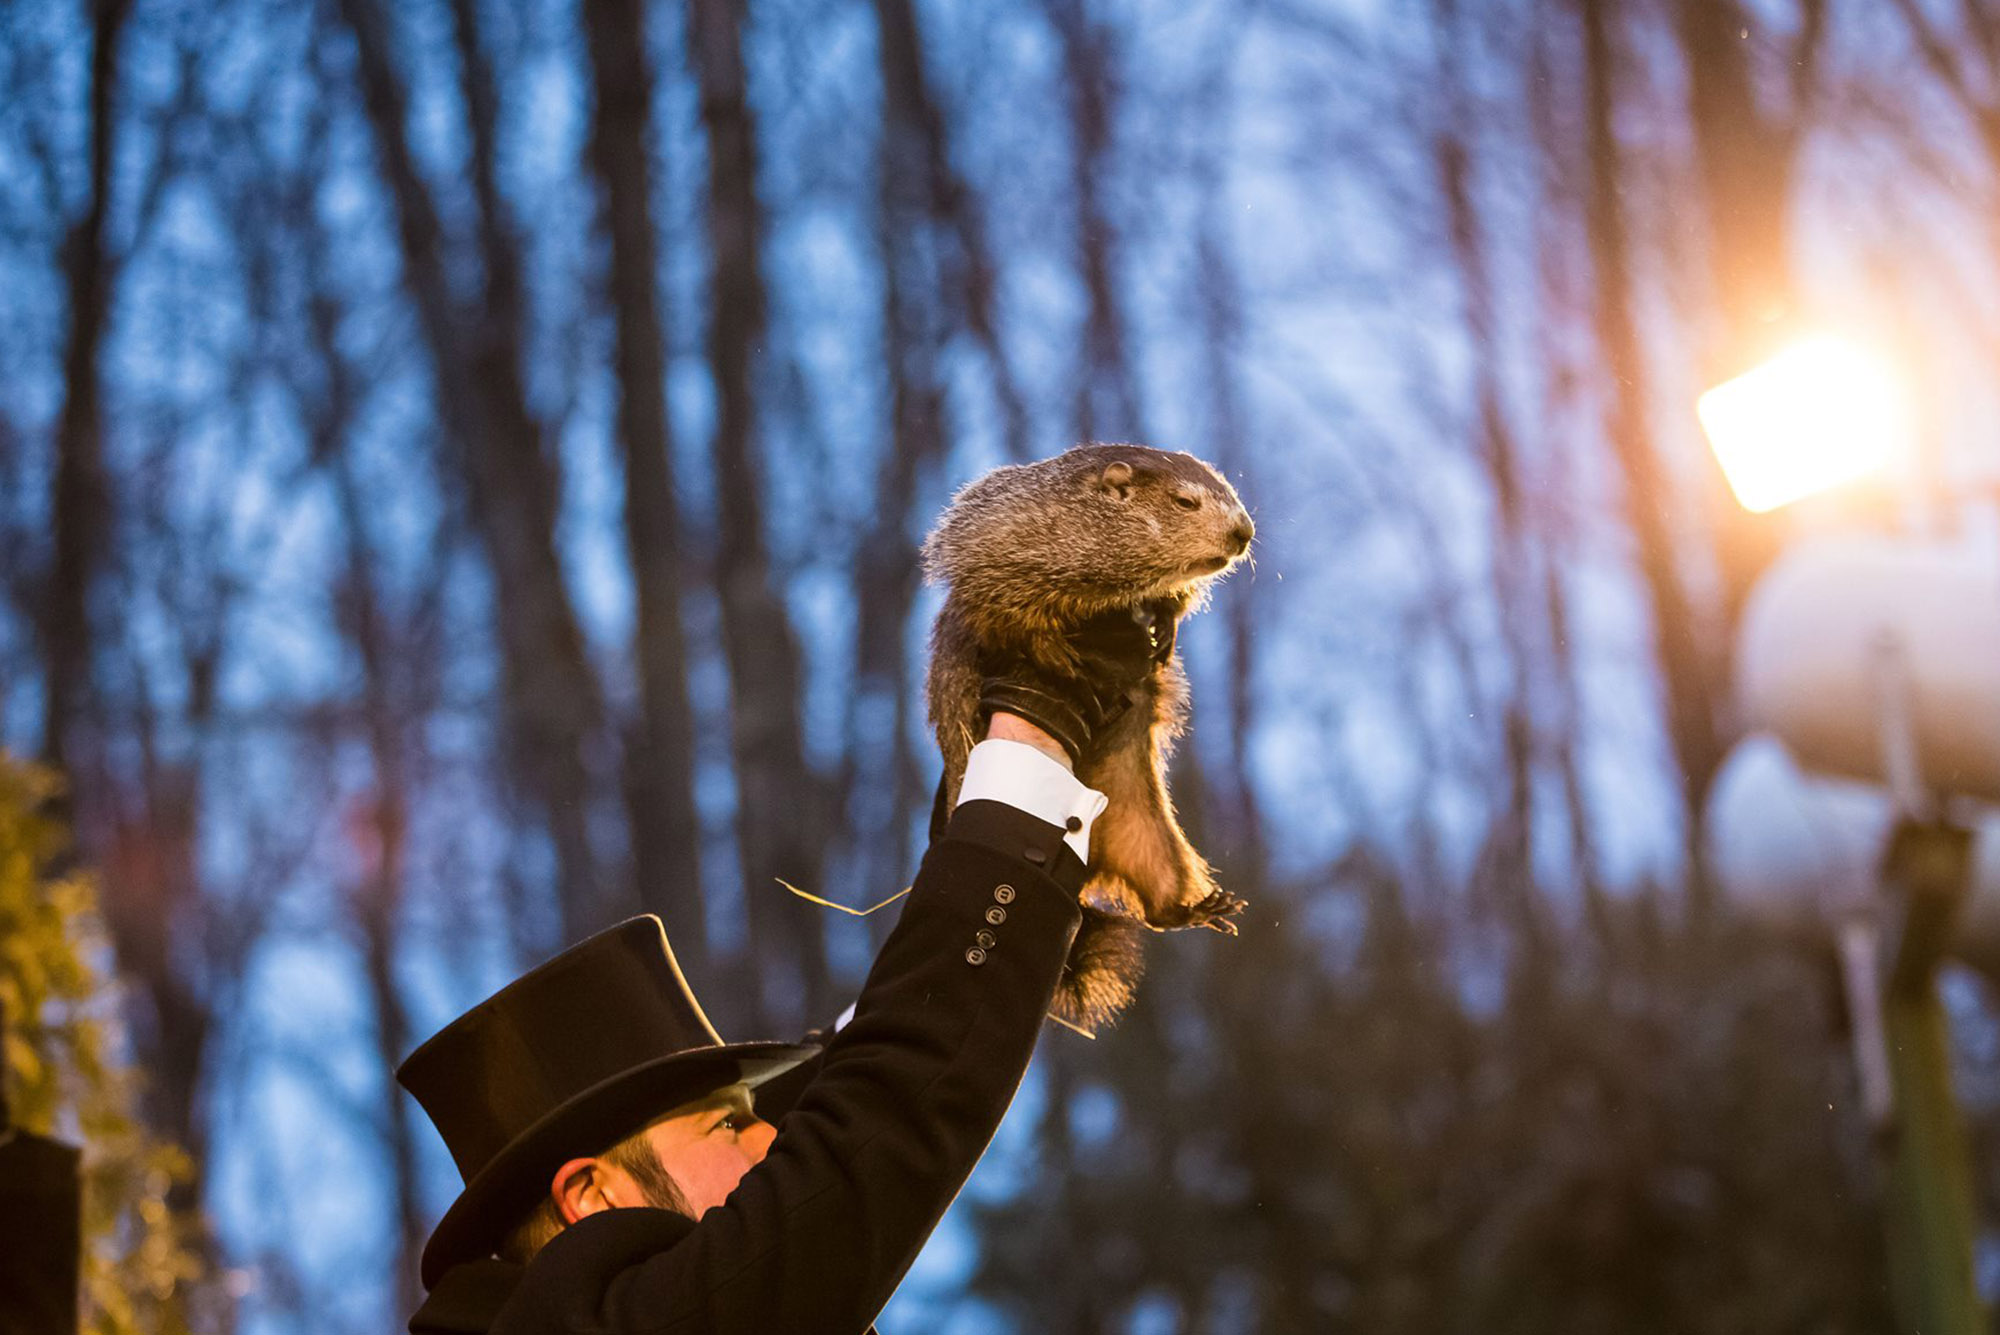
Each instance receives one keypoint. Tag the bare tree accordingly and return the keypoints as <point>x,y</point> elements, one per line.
<point>1747,152</point>
<point>659,755</point>
<point>1454,155</point>
<point>80,512</point>
<point>1562,295</point>
<point>782,821</point>
<point>1235,819</point>
<point>392,658</point>
<point>919,212</point>
<point>1746,155</point>
<point>375,903</point>
<point>1679,637</point>
<point>143,821</point>
<point>1106,399</point>
<point>552,701</point>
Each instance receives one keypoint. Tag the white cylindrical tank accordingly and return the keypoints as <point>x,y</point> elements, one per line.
<point>1811,654</point>
<point>1789,847</point>
<point>1804,851</point>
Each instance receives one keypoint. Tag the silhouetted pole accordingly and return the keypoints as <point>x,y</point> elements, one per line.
<point>1929,1200</point>
<point>1835,642</point>
<point>41,1227</point>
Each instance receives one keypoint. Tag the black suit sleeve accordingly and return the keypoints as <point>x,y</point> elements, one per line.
<point>816,1238</point>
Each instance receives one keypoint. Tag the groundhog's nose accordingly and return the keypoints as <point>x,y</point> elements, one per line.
<point>1239,537</point>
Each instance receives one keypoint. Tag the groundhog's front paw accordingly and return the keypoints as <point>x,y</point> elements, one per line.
<point>1218,911</point>
<point>1215,912</point>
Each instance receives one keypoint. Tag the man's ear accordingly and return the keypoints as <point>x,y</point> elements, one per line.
<point>581,1187</point>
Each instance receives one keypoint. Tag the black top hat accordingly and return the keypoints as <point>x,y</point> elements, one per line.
<point>568,1059</point>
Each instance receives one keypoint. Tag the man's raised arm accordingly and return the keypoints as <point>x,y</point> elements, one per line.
<point>817,1236</point>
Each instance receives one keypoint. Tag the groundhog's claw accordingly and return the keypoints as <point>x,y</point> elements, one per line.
<point>1216,911</point>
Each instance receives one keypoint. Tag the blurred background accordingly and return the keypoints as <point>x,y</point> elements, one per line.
<point>461,468</point>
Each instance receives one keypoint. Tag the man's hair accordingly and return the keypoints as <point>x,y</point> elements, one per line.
<point>637,1157</point>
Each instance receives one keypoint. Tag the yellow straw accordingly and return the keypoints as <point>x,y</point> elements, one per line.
<point>829,904</point>
<point>810,897</point>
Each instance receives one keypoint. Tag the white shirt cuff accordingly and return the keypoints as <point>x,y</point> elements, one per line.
<point>1027,780</point>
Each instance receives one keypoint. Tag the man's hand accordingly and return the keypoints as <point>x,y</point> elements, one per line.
<point>1115,652</point>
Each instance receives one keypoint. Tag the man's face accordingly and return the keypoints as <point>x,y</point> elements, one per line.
<point>700,1151</point>
<point>708,1145</point>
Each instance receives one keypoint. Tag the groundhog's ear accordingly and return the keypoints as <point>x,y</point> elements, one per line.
<point>1116,479</point>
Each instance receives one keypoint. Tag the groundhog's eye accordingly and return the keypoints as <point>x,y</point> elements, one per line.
<point>1188,500</point>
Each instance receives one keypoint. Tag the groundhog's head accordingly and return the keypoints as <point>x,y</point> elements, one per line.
<point>1095,527</point>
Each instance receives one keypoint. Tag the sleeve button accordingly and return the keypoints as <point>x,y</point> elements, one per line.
<point>984,938</point>
<point>1073,824</point>
<point>1004,893</point>
<point>996,915</point>
<point>975,956</point>
<point>1038,856</point>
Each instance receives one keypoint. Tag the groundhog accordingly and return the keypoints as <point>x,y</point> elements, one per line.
<point>1027,553</point>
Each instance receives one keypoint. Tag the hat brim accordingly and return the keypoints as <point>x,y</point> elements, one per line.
<point>502,1192</point>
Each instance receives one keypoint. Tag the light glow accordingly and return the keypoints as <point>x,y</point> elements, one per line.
<point>1822,413</point>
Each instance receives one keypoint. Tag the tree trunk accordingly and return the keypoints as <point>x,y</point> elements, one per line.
<point>781,813</point>
<point>1235,820</point>
<point>1745,156</point>
<point>917,148</point>
<point>146,835</point>
<point>1106,401</point>
<point>1649,496</point>
<point>1510,871</point>
<point>391,722</point>
<point>917,225</point>
<point>80,514</point>
<point>376,902</point>
<point>552,707</point>
<point>558,704</point>
<point>1561,289</point>
<point>659,756</point>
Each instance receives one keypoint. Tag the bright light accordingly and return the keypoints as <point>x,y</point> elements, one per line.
<point>1819,414</point>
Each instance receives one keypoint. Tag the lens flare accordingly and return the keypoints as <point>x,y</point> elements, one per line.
<point>1822,413</point>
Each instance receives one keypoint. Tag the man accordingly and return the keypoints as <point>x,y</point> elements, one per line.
<point>617,1177</point>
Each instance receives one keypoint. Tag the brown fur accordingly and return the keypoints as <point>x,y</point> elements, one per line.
<point>1029,551</point>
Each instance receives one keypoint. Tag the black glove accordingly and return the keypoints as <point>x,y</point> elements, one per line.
<point>1115,651</point>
